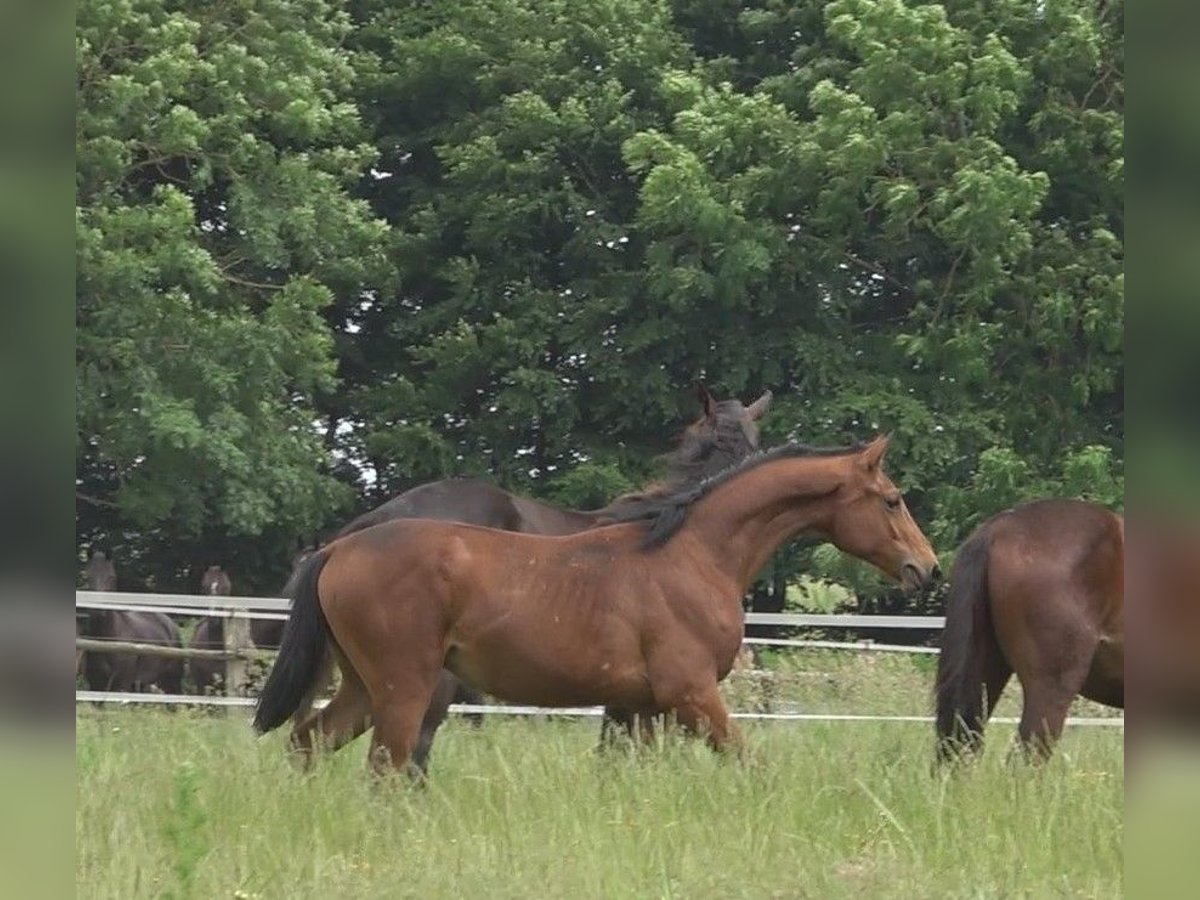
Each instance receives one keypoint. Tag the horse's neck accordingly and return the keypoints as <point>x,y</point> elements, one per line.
<point>745,520</point>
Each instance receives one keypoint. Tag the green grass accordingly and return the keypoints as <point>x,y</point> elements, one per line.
<point>193,805</point>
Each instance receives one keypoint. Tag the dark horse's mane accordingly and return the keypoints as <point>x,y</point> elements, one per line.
<point>667,512</point>
<point>701,454</point>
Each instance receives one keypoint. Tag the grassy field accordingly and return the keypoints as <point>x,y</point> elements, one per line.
<point>193,805</point>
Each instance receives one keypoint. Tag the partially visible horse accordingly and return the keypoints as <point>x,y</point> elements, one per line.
<point>125,672</point>
<point>206,674</point>
<point>1037,590</point>
<point>645,615</point>
<point>725,433</point>
<point>1163,582</point>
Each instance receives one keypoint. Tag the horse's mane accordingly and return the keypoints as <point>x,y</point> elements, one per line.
<point>701,454</point>
<point>667,512</point>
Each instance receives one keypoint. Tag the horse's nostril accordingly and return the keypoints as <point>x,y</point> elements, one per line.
<point>935,574</point>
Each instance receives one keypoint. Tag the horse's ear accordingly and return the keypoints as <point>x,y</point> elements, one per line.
<point>706,399</point>
<point>873,454</point>
<point>759,407</point>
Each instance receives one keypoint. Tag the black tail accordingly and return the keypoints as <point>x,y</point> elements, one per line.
<point>301,651</point>
<point>965,640</point>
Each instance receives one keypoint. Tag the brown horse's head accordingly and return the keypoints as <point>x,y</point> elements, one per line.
<point>724,435</point>
<point>100,573</point>
<point>215,582</point>
<point>872,522</point>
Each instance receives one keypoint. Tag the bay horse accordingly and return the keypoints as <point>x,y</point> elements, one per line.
<point>206,674</point>
<point>1163,581</point>
<point>725,433</point>
<point>1037,590</point>
<point>643,615</point>
<point>125,672</point>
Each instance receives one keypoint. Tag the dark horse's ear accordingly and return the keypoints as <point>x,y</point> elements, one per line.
<point>759,407</point>
<point>706,399</point>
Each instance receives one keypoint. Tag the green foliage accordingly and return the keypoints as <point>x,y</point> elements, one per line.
<point>815,596</point>
<point>216,147</point>
<point>1004,479</point>
<point>503,237</point>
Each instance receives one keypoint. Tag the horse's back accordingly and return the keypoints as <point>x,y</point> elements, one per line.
<point>469,500</point>
<point>451,560</point>
<point>156,627</point>
<point>1064,537</point>
<point>1059,552</point>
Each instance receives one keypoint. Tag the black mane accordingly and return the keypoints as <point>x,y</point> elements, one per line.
<point>667,512</point>
<point>706,452</point>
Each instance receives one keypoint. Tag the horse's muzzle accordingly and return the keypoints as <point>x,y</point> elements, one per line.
<point>913,578</point>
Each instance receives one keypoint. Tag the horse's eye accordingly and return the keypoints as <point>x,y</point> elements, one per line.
<point>893,502</point>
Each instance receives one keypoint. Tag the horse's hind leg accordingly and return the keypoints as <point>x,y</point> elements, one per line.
<point>463,693</point>
<point>346,716</point>
<point>397,732</point>
<point>448,687</point>
<point>304,711</point>
<point>1042,719</point>
<point>1049,692</point>
<point>996,675</point>
<point>614,724</point>
<point>397,712</point>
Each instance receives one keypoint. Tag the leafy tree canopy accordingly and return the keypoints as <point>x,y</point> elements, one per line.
<point>328,254</point>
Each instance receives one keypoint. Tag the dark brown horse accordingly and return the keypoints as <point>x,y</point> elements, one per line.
<point>1163,581</point>
<point>725,433</point>
<point>206,674</point>
<point>1037,590</point>
<point>126,672</point>
<point>643,616</point>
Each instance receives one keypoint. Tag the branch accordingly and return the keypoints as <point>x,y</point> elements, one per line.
<point>878,270</point>
<point>95,501</point>
<point>233,279</point>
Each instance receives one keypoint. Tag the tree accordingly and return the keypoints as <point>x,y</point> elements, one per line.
<point>215,151</point>
<point>504,237</point>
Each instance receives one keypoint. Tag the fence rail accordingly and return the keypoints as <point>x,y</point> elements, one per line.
<point>169,652</point>
<point>277,608</point>
<point>566,712</point>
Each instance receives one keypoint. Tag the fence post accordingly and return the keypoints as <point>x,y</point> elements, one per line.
<point>237,640</point>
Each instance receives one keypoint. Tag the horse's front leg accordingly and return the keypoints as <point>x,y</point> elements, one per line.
<point>699,707</point>
<point>702,711</point>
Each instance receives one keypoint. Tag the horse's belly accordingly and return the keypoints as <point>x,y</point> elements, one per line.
<point>537,677</point>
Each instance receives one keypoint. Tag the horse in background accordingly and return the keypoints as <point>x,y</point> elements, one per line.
<point>725,433</point>
<point>128,672</point>
<point>1038,590</point>
<point>644,615</point>
<point>207,674</point>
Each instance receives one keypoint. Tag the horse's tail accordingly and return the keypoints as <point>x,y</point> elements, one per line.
<point>966,640</point>
<point>302,651</point>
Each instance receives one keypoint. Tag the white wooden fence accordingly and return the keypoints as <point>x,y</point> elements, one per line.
<point>238,651</point>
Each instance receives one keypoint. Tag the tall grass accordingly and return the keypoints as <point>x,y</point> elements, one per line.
<point>188,804</point>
